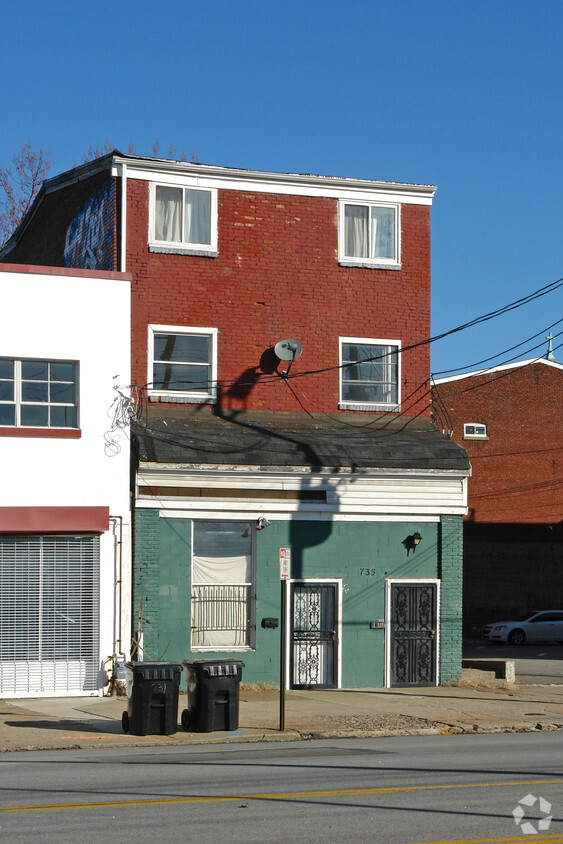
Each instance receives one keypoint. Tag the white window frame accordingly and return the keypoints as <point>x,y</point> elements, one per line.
<point>19,403</point>
<point>251,646</point>
<point>389,407</point>
<point>181,247</point>
<point>376,262</point>
<point>467,435</point>
<point>182,396</point>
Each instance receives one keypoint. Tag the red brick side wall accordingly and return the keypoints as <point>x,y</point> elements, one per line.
<point>517,471</point>
<point>277,276</point>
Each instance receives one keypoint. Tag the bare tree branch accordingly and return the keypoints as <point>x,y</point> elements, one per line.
<point>19,184</point>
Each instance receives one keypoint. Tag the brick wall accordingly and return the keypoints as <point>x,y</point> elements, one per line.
<point>277,276</point>
<point>516,471</point>
<point>451,573</point>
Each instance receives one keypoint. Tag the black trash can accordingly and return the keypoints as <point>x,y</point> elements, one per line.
<point>152,698</point>
<point>213,694</point>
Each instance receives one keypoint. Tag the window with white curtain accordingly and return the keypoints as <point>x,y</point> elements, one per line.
<point>369,374</point>
<point>369,234</point>
<point>182,363</point>
<point>222,596</point>
<point>183,219</point>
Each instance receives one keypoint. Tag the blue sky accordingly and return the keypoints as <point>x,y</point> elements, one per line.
<point>463,95</point>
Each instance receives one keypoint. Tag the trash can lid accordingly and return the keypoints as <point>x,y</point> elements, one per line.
<point>214,667</point>
<point>154,670</point>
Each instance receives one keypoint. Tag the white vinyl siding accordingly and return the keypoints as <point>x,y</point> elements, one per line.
<point>49,622</point>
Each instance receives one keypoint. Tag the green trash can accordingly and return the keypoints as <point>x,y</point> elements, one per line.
<point>213,694</point>
<point>152,698</point>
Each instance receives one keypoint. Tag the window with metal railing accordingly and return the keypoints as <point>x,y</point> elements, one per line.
<point>222,595</point>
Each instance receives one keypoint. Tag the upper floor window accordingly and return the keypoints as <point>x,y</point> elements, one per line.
<point>369,374</point>
<point>369,235</point>
<point>474,430</point>
<point>183,219</point>
<point>182,363</point>
<point>38,393</point>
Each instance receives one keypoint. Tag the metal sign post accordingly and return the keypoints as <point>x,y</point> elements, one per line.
<point>285,569</point>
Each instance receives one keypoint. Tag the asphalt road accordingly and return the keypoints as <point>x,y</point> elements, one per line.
<point>542,664</point>
<point>391,791</point>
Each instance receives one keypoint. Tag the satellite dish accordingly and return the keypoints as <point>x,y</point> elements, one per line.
<point>288,349</point>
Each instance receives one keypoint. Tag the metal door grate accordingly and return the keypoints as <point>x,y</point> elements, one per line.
<point>49,615</point>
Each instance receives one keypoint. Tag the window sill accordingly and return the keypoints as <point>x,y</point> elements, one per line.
<point>214,649</point>
<point>370,408</point>
<point>368,265</point>
<point>184,250</point>
<point>471,437</point>
<point>167,398</point>
<point>48,433</point>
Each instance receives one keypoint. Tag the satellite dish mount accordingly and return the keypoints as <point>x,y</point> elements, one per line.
<point>288,350</point>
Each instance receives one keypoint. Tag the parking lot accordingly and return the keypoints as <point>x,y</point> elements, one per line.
<point>534,663</point>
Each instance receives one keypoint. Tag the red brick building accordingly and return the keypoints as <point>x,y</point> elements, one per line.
<point>332,449</point>
<point>509,419</point>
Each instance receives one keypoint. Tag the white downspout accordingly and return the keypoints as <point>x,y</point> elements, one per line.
<point>123,259</point>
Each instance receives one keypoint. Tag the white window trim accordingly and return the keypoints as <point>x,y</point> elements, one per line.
<point>209,250</point>
<point>373,263</point>
<point>467,436</point>
<point>19,403</point>
<point>373,406</point>
<point>182,396</point>
<point>229,648</point>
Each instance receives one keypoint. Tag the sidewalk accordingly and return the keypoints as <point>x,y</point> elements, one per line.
<point>86,722</point>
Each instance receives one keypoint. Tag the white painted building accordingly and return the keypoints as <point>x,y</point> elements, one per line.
<point>65,557</point>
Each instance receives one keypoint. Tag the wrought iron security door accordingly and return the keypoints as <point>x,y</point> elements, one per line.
<point>314,647</point>
<point>413,634</point>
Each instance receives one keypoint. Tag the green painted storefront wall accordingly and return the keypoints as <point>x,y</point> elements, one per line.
<point>360,554</point>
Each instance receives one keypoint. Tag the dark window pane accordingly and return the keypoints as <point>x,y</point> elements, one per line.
<point>63,372</point>
<point>6,390</point>
<point>179,377</point>
<point>189,348</point>
<point>35,370</point>
<point>6,368</point>
<point>34,416</point>
<point>63,417</point>
<point>62,392</point>
<point>7,414</point>
<point>35,391</point>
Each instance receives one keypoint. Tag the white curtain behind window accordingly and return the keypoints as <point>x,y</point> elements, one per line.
<point>382,233</point>
<point>356,231</point>
<point>197,216</point>
<point>168,214</point>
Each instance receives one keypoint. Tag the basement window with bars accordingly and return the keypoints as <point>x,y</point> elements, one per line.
<point>223,586</point>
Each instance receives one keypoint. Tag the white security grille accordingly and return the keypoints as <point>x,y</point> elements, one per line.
<point>49,615</point>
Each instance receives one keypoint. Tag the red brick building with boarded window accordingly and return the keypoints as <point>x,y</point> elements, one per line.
<point>280,370</point>
<point>509,419</point>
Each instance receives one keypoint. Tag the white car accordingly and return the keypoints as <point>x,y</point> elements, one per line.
<point>533,626</point>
